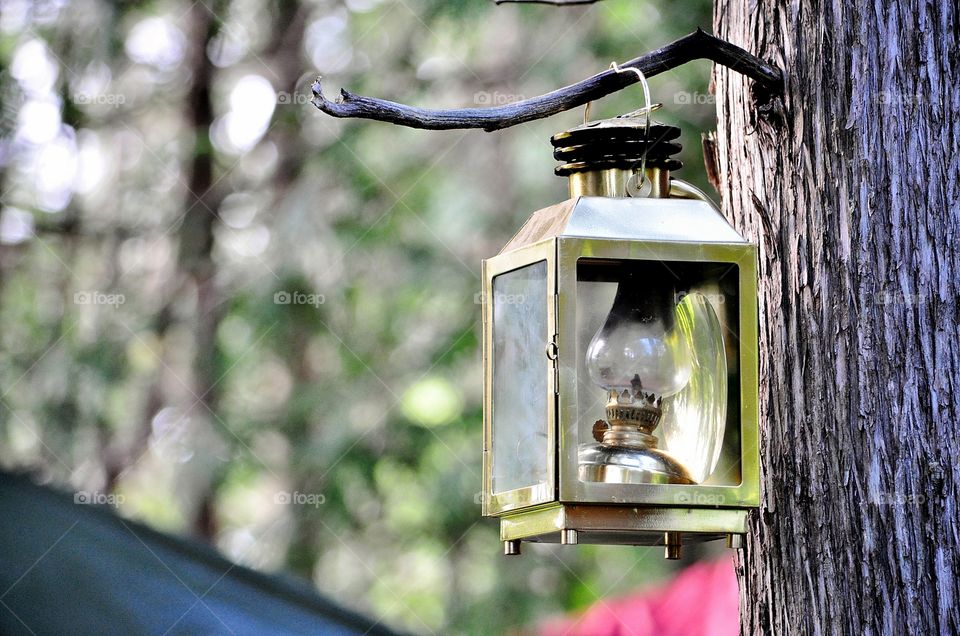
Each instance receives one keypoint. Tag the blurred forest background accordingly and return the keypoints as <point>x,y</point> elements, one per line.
<point>255,324</point>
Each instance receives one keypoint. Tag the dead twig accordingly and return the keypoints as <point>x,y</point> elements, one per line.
<point>695,46</point>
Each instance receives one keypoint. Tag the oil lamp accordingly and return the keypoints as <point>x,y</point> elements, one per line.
<point>620,355</point>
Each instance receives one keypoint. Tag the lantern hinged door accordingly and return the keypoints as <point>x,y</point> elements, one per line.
<point>520,373</point>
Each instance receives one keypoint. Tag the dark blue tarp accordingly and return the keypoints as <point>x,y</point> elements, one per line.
<point>79,569</point>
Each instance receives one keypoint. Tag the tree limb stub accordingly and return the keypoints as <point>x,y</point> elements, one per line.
<point>695,46</point>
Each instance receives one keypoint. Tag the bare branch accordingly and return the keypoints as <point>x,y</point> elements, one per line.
<point>697,45</point>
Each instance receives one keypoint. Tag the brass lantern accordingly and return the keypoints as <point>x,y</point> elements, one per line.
<point>620,356</point>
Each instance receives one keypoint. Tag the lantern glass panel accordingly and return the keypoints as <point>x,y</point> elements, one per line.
<point>520,381</point>
<point>699,371</point>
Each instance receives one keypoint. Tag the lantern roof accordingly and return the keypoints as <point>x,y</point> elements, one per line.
<point>632,219</point>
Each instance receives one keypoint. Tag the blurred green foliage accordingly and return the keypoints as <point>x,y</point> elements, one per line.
<point>197,391</point>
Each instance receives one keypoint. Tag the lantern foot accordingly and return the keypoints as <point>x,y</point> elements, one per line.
<point>735,541</point>
<point>568,537</point>
<point>672,544</point>
<point>511,548</point>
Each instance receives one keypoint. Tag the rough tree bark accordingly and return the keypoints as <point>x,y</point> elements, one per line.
<point>851,186</point>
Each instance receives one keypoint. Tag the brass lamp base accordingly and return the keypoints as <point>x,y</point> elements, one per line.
<point>626,452</point>
<point>625,465</point>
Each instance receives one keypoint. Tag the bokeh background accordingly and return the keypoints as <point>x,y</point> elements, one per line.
<point>248,322</point>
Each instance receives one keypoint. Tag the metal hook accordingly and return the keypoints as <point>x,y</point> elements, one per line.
<point>640,76</point>
<point>641,176</point>
<point>648,107</point>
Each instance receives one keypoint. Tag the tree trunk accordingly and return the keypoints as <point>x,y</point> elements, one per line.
<point>851,187</point>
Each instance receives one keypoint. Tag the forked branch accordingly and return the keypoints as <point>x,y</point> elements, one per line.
<point>695,46</point>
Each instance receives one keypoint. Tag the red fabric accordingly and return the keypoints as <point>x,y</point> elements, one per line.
<point>702,599</point>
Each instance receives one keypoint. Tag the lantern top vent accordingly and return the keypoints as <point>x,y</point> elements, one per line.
<point>616,143</point>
